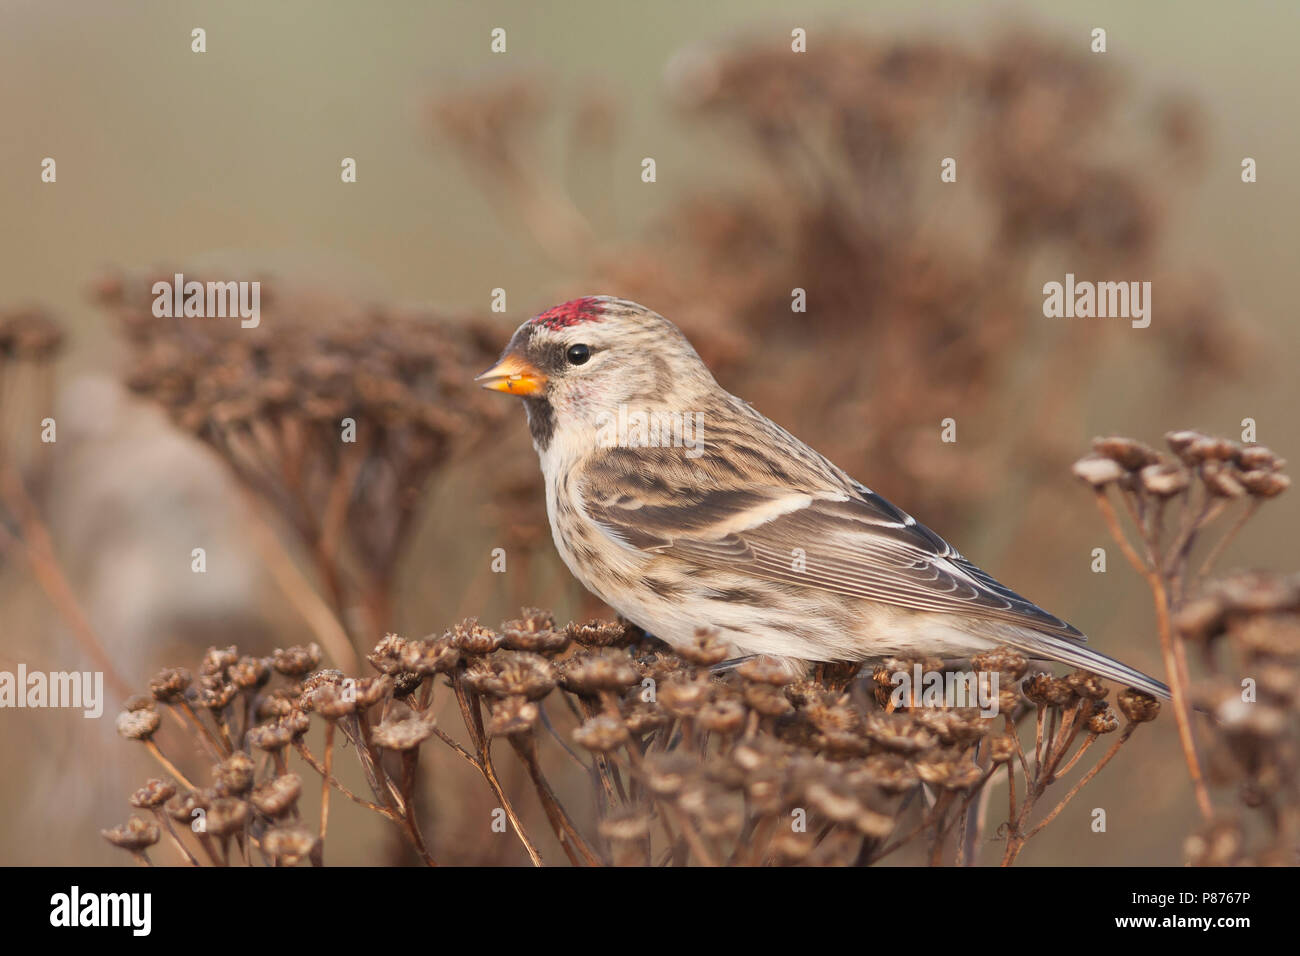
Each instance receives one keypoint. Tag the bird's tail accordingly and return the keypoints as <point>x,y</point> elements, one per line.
<point>1039,645</point>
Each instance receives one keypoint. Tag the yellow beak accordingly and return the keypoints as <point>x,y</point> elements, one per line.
<point>515,376</point>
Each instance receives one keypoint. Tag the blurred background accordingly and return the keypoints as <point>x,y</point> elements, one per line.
<point>522,171</point>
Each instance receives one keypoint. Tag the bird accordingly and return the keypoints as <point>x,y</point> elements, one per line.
<point>682,507</point>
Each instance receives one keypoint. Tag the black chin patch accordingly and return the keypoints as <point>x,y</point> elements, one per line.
<point>541,421</point>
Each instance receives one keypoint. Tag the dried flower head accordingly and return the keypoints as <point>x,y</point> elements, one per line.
<point>289,845</point>
<point>135,835</point>
<point>234,775</point>
<point>296,661</point>
<point>153,794</point>
<point>138,724</point>
<point>601,733</point>
<point>277,796</point>
<point>535,631</point>
<point>403,733</point>
<point>1137,706</point>
<point>170,684</point>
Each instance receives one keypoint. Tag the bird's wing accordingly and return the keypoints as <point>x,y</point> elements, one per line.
<point>849,541</point>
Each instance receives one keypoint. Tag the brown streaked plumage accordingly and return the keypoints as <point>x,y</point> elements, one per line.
<point>730,521</point>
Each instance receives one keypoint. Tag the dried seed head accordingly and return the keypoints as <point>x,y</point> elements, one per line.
<point>1165,480</point>
<point>1218,844</point>
<point>512,716</point>
<point>948,769</point>
<point>1264,484</point>
<point>249,673</point>
<point>1087,684</point>
<point>1221,480</point>
<point>217,659</point>
<point>1258,720</point>
<point>722,716</point>
<point>329,677</point>
<point>431,656</point>
<point>135,835</point>
<point>1102,720</point>
<point>296,661</point>
<point>765,670</point>
<point>1258,458</point>
<point>1207,449</point>
<point>403,734</point>
<point>512,674</point>
<point>767,700</point>
<point>472,639</point>
<point>182,806</point>
<point>1098,471</point>
<point>277,797</point>
<point>684,698</point>
<point>833,799</point>
<point>387,655</point>
<point>1181,441</point>
<point>138,724</point>
<point>625,824</point>
<point>1043,688</point>
<point>836,716</point>
<point>331,701</point>
<point>601,734</point>
<point>216,694</point>
<point>898,733</point>
<point>234,775</point>
<point>962,726</point>
<point>405,683</point>
<point>153,794</point>
<point>225,816</point>
<point>535,631</point>
<point>289,845</point>
<point>590,674</point>
<point>841,744</point>
<point>1129,454</point>
<point>1259,592</point>
<point>1006,661</point>
<point>599,634</point>
<point>789,847</point>
<point>278,703</point>
<point>889,772</point>
<point>705,648</point>
<point>1002,748</point>
<point>170,684</point>
<point>641,717</point>
<point>371,690</point>
<point>279,733</point>
<point>1137,706</point>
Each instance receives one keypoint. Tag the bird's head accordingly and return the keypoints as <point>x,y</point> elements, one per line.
<point>583,359</point>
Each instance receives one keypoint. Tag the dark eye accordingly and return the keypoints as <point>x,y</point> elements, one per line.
<point>578,354</point>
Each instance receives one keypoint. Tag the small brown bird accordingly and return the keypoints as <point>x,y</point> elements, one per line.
<point>681,507</point>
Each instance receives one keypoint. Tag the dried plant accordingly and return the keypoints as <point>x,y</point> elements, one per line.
<point>1245,630</point>
<point>1173,502</point>
<point>687,765</point>
<point>335,416</point>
